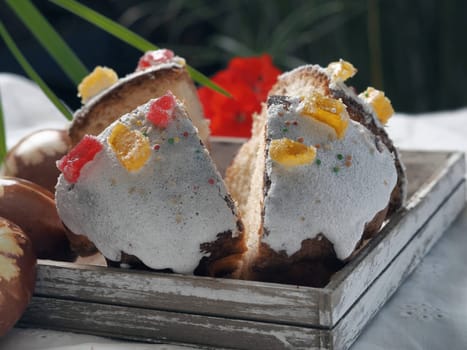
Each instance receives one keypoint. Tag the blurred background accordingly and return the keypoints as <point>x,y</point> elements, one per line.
<point>414,50</point>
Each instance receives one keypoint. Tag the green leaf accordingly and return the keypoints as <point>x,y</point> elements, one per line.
<point>49,39</point>
<point>127,36</point>
<point>32,73</point>
<point>3,148</point>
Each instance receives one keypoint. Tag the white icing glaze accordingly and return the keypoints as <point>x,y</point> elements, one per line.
<point>306,200</point>
<point>160,213</point>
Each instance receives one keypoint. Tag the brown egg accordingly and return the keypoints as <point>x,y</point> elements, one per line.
<point>33,158</point>
<point>17,274</point>
<point>32,208</point>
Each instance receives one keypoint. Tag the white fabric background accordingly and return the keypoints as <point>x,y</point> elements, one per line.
<point>429,311</point>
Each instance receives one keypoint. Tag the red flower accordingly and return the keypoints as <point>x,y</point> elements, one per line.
<point>248,80</point>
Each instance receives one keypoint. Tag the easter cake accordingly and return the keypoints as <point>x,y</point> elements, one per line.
<point>105,97</point>
<point>146,193</point>
<point>321,177</point>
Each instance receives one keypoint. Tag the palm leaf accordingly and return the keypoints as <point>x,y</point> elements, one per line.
<point>32,73</point>
<point>49,39</point>
<point>3,148</point>
<point>127,36</point>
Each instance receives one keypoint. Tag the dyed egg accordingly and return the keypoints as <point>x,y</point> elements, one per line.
<point>33,158</point>
<point>32,208</point>
<point>17,273</point>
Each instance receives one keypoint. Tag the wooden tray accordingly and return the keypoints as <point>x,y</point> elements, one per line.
<point>208,312</point>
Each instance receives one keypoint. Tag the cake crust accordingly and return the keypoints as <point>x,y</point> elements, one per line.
<point>133,91</point>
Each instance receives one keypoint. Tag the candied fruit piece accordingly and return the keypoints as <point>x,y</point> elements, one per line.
<point>291,153</point>
<point>72,163</point>
<point>380,103</point>
<point>151,58</point>
<point>327,110</point>
<point>341,71</point>
<point>161,110</point>
<point>131,147</point>
<point>100,79</point>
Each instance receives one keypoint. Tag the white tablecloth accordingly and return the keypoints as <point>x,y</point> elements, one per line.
<point>429,311</point>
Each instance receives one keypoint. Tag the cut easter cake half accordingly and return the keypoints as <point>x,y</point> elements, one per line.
<point>105,97</point>
<point>146,193</point>
<point>322,178</point>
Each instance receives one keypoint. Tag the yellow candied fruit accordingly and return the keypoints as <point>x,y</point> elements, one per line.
<point>341,70</point>
<point>329,111</point>
<point>380,103</point>
<point>291,153</point>
<point>131,147</point>
<point>100,79</point>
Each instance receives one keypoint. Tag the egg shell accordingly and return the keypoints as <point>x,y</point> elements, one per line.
<point>32,208</point>
<point>33,158</point>
<point>17,273</point>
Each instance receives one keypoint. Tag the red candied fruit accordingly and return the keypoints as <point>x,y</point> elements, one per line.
<point>151,58</point>
<point>161,110</point>
<point>72,163</point>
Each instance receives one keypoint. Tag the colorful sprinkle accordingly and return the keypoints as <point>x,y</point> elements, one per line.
<point>186,134</point>
<point>211,181</point>
<point>336,169</point>
<point>318,162</point>
<point>157,147</point>
<point>285,130</point>
<point>340,156</point>
<point>295,122</point>
<point>300,139</point>
<point>171,140</point>
<point>348,163</point>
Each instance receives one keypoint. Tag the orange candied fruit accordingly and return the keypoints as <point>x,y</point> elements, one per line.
<point>100,79</point>
<point>327,110</point>
<point>341,70</point>
<point>380,103</point>
<point>131,147</point>
<point>291,153</point>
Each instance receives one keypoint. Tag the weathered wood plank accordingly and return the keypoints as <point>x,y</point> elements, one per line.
<point>350,283</point>
<point>154,325</point>
<point>350,326</point>
<point>205,296</point>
